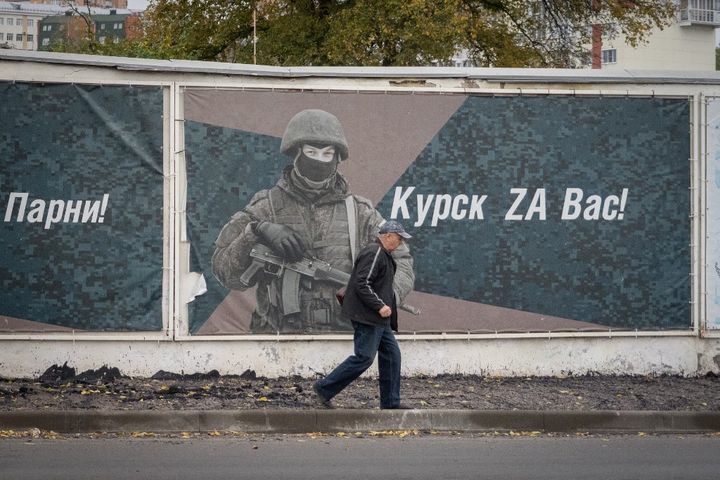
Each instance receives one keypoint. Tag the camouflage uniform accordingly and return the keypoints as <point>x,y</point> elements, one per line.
<point>320,218</point>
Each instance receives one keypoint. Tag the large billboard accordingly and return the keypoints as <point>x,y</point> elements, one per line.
<point>529,213</point>
<point>81,198</point>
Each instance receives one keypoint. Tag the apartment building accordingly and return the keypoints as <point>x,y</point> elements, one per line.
<point>113,27</point>
<point>19,25</point>
<point>20,22</point>
<point>687,44</point>
<point>116,4</point>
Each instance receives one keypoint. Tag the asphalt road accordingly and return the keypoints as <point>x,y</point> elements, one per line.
<point>423,457</point>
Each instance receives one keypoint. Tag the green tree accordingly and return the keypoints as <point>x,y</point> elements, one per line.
<point>502,33</point>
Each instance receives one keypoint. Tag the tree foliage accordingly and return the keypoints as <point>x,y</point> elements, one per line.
<point>501,33</point>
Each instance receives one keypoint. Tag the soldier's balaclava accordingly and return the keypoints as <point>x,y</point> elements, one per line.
<point>316,174</point>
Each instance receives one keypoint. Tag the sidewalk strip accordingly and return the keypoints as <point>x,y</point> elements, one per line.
<point>303,421</point>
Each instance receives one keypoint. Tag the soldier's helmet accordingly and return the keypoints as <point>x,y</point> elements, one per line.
<point>315,127</point>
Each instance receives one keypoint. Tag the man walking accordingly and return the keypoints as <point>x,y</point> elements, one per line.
<point>370,305</point>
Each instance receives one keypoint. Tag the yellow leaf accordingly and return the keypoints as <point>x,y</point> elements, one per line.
<point>185,435</point>
<point>263,399</point>
<point>215,433</point>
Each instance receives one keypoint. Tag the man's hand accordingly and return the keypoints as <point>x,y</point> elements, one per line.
<point>385,311</point>
<point>282,239</point>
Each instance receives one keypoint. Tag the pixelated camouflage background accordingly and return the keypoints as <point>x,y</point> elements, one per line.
<point>75,142</point>
<point>631,273</point>
<point>225,168</point>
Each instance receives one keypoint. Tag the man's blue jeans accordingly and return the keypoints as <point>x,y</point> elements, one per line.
<point>368,339</point>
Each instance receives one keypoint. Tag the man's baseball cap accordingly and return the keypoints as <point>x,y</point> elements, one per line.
<point>394,227</point>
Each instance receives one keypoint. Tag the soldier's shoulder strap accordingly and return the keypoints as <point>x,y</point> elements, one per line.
<point>276,200</point>
<point>352,224</point>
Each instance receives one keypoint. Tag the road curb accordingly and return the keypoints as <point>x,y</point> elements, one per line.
<point>303,421</point>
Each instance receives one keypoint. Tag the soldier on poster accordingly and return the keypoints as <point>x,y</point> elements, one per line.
<point>296,239</point>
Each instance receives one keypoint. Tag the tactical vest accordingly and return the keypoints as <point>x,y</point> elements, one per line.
<point>325,230</point>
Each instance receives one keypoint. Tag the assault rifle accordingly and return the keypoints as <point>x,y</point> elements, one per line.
<point>264,259</point>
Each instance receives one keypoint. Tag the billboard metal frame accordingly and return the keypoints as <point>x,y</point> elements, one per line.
<point>175,324</point>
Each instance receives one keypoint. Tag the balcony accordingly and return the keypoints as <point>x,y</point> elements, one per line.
<point>699,12</point>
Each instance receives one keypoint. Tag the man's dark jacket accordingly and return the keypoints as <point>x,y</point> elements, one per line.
<point>371,287</point>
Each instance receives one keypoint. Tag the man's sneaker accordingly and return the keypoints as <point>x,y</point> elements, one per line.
<point>321,401</point>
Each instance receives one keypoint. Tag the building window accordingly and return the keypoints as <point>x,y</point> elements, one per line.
<point>102,26</point>
<point>31,22</point>
<point>609,56</point>
<point>2,21</point>
<point>18,37</point>
<point>30,37</point>
<point>45,42</point>
<point>101,39</point>
<point>10,21</point>
<point>9,37</point>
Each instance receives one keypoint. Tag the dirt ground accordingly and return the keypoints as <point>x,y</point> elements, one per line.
<point>106,388</point>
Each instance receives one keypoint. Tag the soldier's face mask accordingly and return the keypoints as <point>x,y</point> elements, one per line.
<point>316,163</point>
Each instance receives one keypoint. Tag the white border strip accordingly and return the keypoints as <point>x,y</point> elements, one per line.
<point>705,331</point>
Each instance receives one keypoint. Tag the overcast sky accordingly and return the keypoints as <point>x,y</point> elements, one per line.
<point>137,4</point>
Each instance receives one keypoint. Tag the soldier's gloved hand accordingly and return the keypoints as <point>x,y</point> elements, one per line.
<point>282,239</point>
